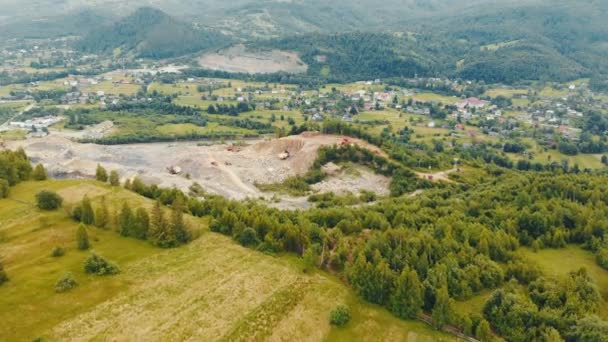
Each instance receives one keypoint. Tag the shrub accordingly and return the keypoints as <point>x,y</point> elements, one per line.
<point>602,258</point>
<point>58,252</point>
<point>340,315</point>
<point>39,173</point>
<point>96,264</point>
<point>4,188</point>
<point>114,178</point>
<point>48,200</point>
<point>77,213</point>
<point>101,174</point>
<point>65,283</point>
<point>248,237</point>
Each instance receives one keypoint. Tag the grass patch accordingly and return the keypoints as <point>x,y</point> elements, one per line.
<point>559,262</point>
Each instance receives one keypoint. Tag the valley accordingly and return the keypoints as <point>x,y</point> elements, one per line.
<point>304,170</point>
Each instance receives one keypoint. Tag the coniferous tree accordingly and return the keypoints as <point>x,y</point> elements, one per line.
<point>39,173</point>
<point>158,225</point>
<point>87,215</point>
<point>141,224</point>
<point>125,220</point>
<point>102,215</point>
<point>82,238</point>
<point>406,300</point>
<point>101,174</point>
<point>178,228</point>
<point>114,178</point>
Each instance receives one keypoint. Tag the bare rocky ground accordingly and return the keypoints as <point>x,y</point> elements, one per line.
<point>215,168</point>
<point>239,59</point>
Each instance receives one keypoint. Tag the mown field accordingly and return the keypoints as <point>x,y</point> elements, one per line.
<point>211,289</point>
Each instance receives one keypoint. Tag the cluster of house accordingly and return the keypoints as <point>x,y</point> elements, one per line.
<point>77,97</point>
<point>38,127</point>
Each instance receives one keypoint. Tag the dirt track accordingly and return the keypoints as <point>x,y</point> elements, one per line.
<point>219,171</point>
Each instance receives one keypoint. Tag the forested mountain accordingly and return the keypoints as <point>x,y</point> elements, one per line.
<point>492,40</point>
<point>359,55</point>
<point>71,24</point>
<point>150,33</point>
<point>554,40</point>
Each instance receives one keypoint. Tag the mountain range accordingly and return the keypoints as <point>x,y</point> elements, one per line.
<point>491,40</point>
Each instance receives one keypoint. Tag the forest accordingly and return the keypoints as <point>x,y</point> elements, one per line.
<point>150,33</point>
<point>416,257</point>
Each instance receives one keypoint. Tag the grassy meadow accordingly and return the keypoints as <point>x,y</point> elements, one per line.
<point>211,289</point>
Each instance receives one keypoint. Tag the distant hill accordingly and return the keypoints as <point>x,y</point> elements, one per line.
<point>491,40</point>
<point>70,24</point>
<point>507,43</point>
<point>555,40</point>
<point>150,33</point>
<point>358,55</point>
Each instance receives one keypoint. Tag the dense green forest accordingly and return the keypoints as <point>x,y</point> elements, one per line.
<point>417,256</point>
<point>150,33</point>
<point>359,55</point>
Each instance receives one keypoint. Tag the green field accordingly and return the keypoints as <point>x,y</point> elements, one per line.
<point>432,97</point>
<point>196,101</point>
<point>559,262</point>
<point>211,128</point>
<point>506,92</point>
<point>15,134</point>
<point>211,289</point>
<point>591,161</point>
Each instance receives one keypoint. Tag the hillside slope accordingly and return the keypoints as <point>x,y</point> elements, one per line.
<point>208,290</point>
<point>151,33</point>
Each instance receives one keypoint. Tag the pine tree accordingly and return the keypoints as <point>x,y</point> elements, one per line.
<point>114,178</point>
<point>39,173</point>
<point>406,300</point>
<point>158,225</point>
<point>102,215</point>
<point>87,215</point>
<point>125,220</point>
<point>141,224</point>
<point>82,238</point>
<point>178,229</point>
<point>101,174</point>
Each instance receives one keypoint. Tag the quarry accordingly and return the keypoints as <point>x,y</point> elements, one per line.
<point>224,169</point>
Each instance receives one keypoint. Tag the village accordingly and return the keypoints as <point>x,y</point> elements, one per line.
<point>541,116</point>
